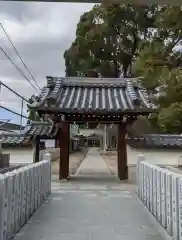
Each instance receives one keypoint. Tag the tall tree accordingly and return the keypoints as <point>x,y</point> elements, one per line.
<point>161,52</point>
<point>159,62</point>
<point>170,114</point>
<point>108,38</point>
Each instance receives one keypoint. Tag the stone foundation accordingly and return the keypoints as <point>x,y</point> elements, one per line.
<point>132,173</point>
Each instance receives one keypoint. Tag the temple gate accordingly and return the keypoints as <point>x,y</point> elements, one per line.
<point>93,100</point>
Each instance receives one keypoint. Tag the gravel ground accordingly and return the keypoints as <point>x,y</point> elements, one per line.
<point>76,159</point>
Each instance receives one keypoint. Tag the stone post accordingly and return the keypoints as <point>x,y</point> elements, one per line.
<point>48,157</point>
<point>4,158</point>
<point>140,158</point>
<point>179,161</point>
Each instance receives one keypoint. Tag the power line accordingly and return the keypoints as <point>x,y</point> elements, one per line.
<point>9,110</point>
<point>17,67</point>
<point>19,54</point>
<point>22,101</point>
<point>17,94</point>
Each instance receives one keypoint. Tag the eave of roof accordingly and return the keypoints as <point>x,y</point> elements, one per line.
<point>93,96</point>
<point>42,129</point>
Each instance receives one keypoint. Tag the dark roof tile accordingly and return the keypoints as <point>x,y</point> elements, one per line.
<point>92,95</point>
<point>44,129</point>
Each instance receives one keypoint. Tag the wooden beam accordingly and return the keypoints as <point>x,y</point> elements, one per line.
<point>122,152</point>
<point>37,149</point>
<point>64,140</point>
<point>89,118</point>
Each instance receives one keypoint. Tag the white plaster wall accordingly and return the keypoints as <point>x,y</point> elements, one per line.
<point>20,156</point>
<point>88,132</point>
<point>25,156</point>
<point>155,156</point>
<point>161,157</point>
<point>55,153</point>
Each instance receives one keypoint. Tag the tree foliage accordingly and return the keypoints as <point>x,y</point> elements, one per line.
<point>161,52</point>
<point>133,39</point>
<point>159,62</point>
<point>108,38</point>
<point>170,118</point>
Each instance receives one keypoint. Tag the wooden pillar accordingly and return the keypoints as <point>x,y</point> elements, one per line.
<point>57,139</point>
<point>37,149</point>
<point>122,153</point>
<point>56,143</point>
<point>64,141</point>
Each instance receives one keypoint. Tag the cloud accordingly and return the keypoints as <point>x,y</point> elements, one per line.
<point>41,32</point>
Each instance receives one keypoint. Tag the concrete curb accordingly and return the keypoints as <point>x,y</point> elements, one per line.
<point>153,220</point>
<point>106,165</point>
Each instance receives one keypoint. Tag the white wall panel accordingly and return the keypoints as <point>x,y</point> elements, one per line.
<point>163,198</point>
<point>180,208</point>
<point>175,231</point>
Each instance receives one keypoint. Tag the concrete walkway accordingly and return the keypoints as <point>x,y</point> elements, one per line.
<point>90,209</point>
<point>93,164</point>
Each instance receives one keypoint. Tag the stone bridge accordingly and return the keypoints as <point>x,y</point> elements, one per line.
<point>94,204</point>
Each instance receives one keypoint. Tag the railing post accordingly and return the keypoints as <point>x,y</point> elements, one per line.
<point>47,157</point>
<point>139,175</point>
<point>2,207</point>
<point>179,161</point>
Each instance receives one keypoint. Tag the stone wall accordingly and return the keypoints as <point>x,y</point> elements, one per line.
<point>55,152</point>
<point>160,190</point>
<point>155,141</point>
<point>22,191</point>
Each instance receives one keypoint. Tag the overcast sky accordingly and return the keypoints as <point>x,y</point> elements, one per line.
<point>41,33</point>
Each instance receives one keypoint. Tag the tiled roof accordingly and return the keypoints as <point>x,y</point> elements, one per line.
<point>93,95</point>
<point>155,141</point>
<point>25,137</point>
<point>9,126</point>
